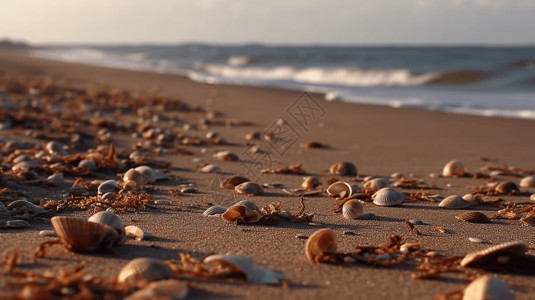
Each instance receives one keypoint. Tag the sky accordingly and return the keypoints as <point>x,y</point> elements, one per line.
<point>494,22</point>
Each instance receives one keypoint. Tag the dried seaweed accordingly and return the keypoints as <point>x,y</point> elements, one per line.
<point>292,169</point>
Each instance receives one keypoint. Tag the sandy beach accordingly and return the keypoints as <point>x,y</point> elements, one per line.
<point>378,140</point>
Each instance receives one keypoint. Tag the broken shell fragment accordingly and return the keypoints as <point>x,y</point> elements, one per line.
<point>137,233</point>
<point>249,189</point>
<point>112,220</point>
<point>343,169</point>
<point>132,176</point>
<point>491,255</point>
<point>26,205</point>
<point>529,219</point>
<point>528,181</point>
<point>376,184</point>
<point>387,197</point>
<point>487,287</point>
<point>170,289</point>
<point>454,168</point>
<point>108,186</point>
<point>352,209</point>
<point>454,202</point>
<point>323,241</point>
<point>340,190</point>
<point>473,217</point>
<point>242,212</point>
<point>143,269</point>
<point>215,210</point>
<point>227,156</point>
<point>232,182</point>
<point>507,188</point>
<point>147,173</point>
<point>239,264</point>
<point>209,169</point>
<point>310,183</point>
<point>77,234</point>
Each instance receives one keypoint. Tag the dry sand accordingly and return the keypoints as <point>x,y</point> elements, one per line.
<point>378,140</point>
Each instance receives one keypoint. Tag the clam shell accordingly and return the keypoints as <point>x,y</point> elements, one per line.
<point>343,169</point>
<point>170,289</point>
<point>147,173</point>
<point>80,235</point>
<point>323,241</point>
<point>387,197</point>
<point>454,168</point>
<point>473,199</point>
<point>209,169</point>
<point>215,210</point>
<point>473,217</point>
<point>143,269</point>
<point>226,155</point>
<point>55,179</point>
<point>249,189</point>
<point>310,183</point>
<point>376,184</point>
<point>87,164</point>
<point>532,197</point>
<point>487,287</point>
<point>133,176</point>
<point>489,255</point>
<point>507,188</point>
<point>528,181</point>
<point>108,186</point>
<point>454,202</point>
<point>232,182</point>
<point>112,220</point>
<point>137,233</point>
<point>244,211</point>
<point>30,207</point>
<point>352,209</point>
<point>339,189</point>
<point>254,273</point>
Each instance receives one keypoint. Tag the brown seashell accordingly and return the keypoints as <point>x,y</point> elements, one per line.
<point>112,220</point>
<point>490,255</point>
<point>376,184</point>
<point>528,181</point>
<point>310,183</point>
<point>232,182</point>
<point>227,156</point>
<point>142,270</point>
<point>387,197</point>
<point>249,189</point>
<point>454,168</point>
<point>170,289</point>
<point>344,169</point>
<point>473,217</point>
<point>487,287</point>
<point>323,241</point>
<point>529,219</point>
<point>506,188</point>
<point>454,202</point>
<point>339,190</point>
<point>78,234</point>
<point>314,145</point>
<point>352,209</point>
<point>254,135</point>
<point>254,273</point>
<point>133,176</point>
<point>473,199</point>
<point>244,211</point>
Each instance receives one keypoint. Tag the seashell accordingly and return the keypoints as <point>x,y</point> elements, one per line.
<point>507,188</point>
<point>454,202</point>
<point>249,189</point>
<point>532,197</point>
<point>160,175</point>
<point>215,210</point>
<point>147,173</point>
<point>28,206</point>
<point>487,287</point>
<point>323,241</point>
<point>107,196</point>
<point>189,190</point>
<point>211,135</point>
<point>473,217</point>
<point>407,247</point>
<point>133,177</point>
<point>23,166</point>
<point>55,179</point>
<point>17,224</point>
<point>137,233</point>
<point>376,184</point>
<point>352,209</point>
<point>239,264</point>
<point>490,255</point>
<point>254,135</point>
<point>340,190</point>
<point>143,269</point>
<point>170,289</point>
<point>343,169</point>
<point>310,183</point>
<point>454,168</point>
<point>475,240</point>
<point>473,199</point>
<point>244,211</point>
<point>529,219</point>
<point>108,186</point>
<point>54,147</point>
<point>232,182</point>
<point>77,234</point>
<point>22,158</point>
<point>396,175</point>
<point>226,155</point>
<point>528,181</point>
<point>87,164</point>
<point>387,197</point>
<point>47,233</point>
<point>112,220</point>
<point>209,169</point>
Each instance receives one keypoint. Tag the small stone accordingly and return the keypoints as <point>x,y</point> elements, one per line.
<point>47,233</point>
<point>347,232</point>
<point>475,240</point>
<point>349,260</point>
<point>301,236</point>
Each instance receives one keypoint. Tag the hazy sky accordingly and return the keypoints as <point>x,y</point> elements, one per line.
<point>275,21</point>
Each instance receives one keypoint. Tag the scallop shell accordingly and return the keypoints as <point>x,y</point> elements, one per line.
<point>226,155</point>
<point>147,173</point>
<point>55,179</point>
<point>209,169</point>
<point>232,182</point>
<point>454,202</point>
<point>310,183</point>
<point>344,169</point>
<point>215,210</point>
<point>339,189</point>
<point>244,211</point>
<point>133,176</point>
<point>507,188</point>
<point>454,168</point>
<point>30,207</point>
<point>254,273</point>
<point>112,220</point>
<point>137,233</point>
<point>80,235</point>
<point>473,217</point>
<point>108,186</point>
<point>249,189</point>
<point>352,209</point>
<point>490,255</point>
<point>170,289</point>
<point>387,197</point>
<point>143,269</point>
<point>323,241</point>
<point>528,181</point>
<point>376,184</point>
<point>487,287</point>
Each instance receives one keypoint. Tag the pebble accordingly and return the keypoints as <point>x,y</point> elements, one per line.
<point>301,236</point>
<point>47,233</point>
<point>475,240</point>
<point>17,224</point>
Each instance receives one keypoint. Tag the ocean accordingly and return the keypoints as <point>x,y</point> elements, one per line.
<point>482,80</point>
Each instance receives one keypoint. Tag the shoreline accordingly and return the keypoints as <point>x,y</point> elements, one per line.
<point>378,140</point>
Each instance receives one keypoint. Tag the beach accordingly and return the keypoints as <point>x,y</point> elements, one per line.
<point>378,140</point>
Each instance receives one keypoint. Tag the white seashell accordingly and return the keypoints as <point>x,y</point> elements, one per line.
<point>112,220</point>
<point>143,269</point>
<point>209,169</point>
<point>396,175</point>
<point>47,233</point>
<point>87,164</point>
<point>473,199</point>
<point>132,176</point>
<point>226,155</point>
<point>147,173</point>
<point>343,169</point>
<point>160,175</point>
<point>376,184</point>
<point>487,287</point>
<point>352,209</point>
<point>215,210</point>
<point>340,190</point>
<point>454,202</point>
<point>387,197</point>
<point>170,289</point>
<point>108,186</point>
<point>528,181</point>
<point>54,147</point>
<point>30,207</point>
<point>55,179</point>
<point>137,233</point>
<point>454,168</point>
<point>249,189</point>
<point>23,166</point>
<point>475,240</point>
<point>244,211</point>
<point>16,224</point>
<point>323,241</point>
<point>254,273</point>
<point>532,197</point>
<point>488,255</point>
<point>77,234</point>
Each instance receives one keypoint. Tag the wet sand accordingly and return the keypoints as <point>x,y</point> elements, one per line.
<point>378,140</point>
